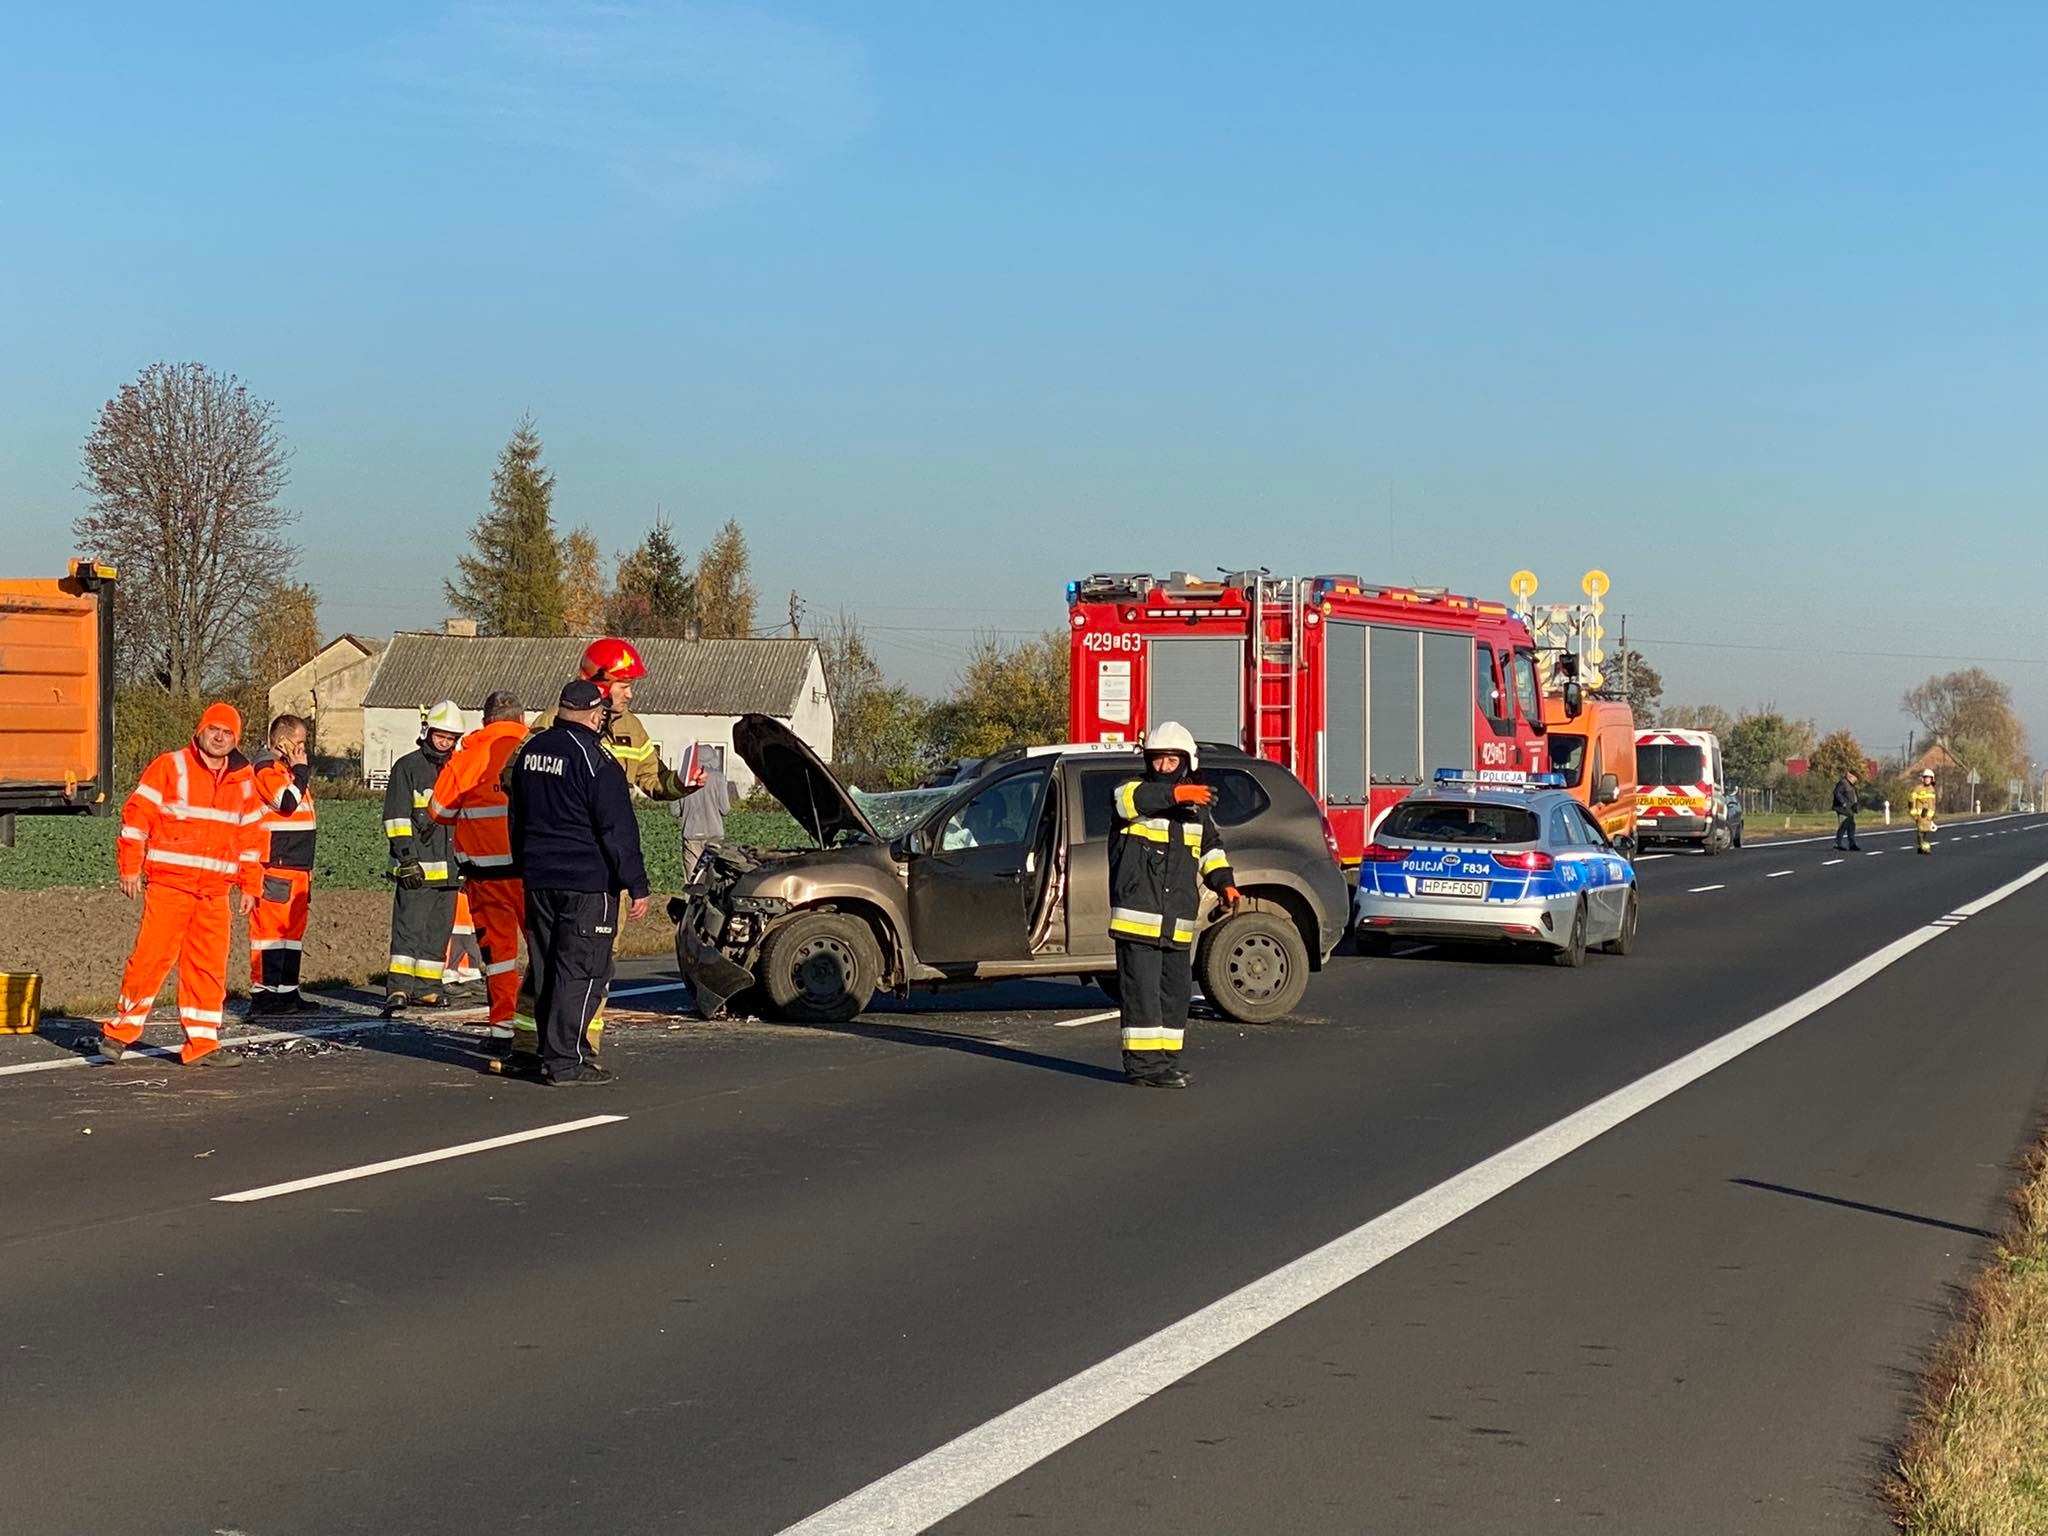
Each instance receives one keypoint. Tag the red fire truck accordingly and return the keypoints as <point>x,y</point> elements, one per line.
<point>1363,690</point>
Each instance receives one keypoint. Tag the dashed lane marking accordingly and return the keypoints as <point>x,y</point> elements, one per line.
<point>944,1481</point>
<point>1699,888</point>
<point>441,1155</point>
<point>1086,1018</point>
<point>1830,863</point>
<point>1777,874</point>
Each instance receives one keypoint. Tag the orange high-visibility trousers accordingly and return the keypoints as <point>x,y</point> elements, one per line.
<point>499,907</point>
<point>277,934</point>
<point>465,961</point>
<point>190,932</point>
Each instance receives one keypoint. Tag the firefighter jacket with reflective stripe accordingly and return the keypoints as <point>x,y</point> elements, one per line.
<point>1160,855</point>
<point>1920,803</point>
<point>289,818</point>
<point>572,816</point>
<point>626,739</point>
<point>192,828</point>
<point>470,797</point>
<point>414,835</point>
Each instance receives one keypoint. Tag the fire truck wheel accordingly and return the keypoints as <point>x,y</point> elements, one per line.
<point>1254,967</point>
<point>819,968</point>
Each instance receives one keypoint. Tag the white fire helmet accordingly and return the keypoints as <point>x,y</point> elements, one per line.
<point>1927,775</point>
<point>444,716</point>
<point>1172,736</point>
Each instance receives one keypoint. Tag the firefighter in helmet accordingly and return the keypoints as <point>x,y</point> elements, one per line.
<point>1164,850</point>
<point>1920,806</point>
<point>423,906</point>
<point>615,666</point>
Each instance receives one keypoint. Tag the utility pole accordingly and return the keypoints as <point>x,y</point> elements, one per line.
<point>795,632</point>
<point>1624,658</point>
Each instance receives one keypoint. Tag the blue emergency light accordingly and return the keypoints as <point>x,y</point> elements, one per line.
<point>1500,778</point>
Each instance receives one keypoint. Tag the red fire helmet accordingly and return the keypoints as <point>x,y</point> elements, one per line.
<point>612,660</point>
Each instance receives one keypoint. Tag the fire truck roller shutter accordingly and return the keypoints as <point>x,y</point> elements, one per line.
<point>1448,704</point>
<point>1344,717</point>
<point>1200,683</point>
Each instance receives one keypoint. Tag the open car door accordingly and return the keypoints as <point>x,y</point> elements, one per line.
<point>977,877</point>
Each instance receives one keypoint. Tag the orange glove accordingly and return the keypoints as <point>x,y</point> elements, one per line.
<point>1231,897</point>
<point>1193,794</point>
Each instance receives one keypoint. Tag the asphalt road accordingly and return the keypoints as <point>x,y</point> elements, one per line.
<point>806,1258</point>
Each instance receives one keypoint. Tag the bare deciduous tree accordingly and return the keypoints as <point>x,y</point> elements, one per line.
<point>185,468</point>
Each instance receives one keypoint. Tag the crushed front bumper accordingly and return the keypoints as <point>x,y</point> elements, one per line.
<point>713,976</point>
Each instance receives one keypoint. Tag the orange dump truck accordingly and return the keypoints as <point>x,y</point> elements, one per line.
<point>56,695</point>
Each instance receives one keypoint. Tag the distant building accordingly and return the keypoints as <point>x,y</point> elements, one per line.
<point>693,692</point>
<point>329,690</point>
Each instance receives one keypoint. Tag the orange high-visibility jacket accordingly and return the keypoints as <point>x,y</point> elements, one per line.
<point>289,818</point>
<point>469,797</point>
<point>192,829</point>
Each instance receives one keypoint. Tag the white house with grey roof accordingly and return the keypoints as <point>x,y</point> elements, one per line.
<point>693,692</point>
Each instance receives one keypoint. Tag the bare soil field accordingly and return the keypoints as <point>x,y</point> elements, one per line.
<point>78,939</point>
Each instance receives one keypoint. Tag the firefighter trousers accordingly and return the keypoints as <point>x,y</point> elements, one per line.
<point>277,938</point>
<point>569,939</point>
<point>499,907</point>
<point>190,932</point>
<point>421,922</point>
<point>1156,986</point>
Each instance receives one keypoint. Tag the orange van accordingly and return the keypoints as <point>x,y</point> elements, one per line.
<point>1595,750</point>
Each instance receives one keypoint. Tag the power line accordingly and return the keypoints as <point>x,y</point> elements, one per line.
<point>1815,650</point>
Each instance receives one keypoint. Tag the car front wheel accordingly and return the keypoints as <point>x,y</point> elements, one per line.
<point>1253,967</point>
<point>819,968</point>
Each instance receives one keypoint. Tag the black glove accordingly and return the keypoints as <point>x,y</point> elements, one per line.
<point>410,877</point>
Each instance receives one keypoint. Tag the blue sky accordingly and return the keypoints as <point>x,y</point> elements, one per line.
<point>950,303</point>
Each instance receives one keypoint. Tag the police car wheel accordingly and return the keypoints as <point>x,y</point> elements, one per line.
<point>1253,967</point>
<point>1624,942</point>
<point>820,968</point>
<point>1573,954</point>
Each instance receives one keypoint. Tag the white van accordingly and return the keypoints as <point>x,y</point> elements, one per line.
<point>1684,792</point>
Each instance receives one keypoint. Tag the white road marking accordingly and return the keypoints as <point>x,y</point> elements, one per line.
<point>1086,1018</point>
<point>1876,853</point>
<point>1649,858</point>
<point>945,1481</point>
<point>371,1170</point>
<point>1830,863</point>
<point>1699,888</point>
<point>1777,874</point>
<point>311,1032</point>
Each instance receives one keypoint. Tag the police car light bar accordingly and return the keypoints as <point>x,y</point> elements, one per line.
<point>1506,778</point>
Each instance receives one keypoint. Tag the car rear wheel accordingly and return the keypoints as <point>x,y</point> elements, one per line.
<point>819,968</point>
<point>1573,955</point>
<point>1254,967</point>
<point>1624,942</point>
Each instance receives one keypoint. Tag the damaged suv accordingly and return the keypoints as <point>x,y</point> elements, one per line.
<point>1002,874</point>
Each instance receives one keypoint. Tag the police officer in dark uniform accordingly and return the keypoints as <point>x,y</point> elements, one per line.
<point>577,846</point>
<point>1164,850</point>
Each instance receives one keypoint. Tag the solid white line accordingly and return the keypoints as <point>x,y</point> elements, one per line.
<point>1699,888</point>
<point>945,1481</point>
<point>1776,874</point>
<point>370,1170</point>
<point>1086,1018</point>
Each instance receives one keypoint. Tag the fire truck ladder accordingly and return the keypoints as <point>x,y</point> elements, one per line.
<point>1277,680</point>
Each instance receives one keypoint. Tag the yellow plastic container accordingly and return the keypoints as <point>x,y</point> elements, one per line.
<point>21,1002</point>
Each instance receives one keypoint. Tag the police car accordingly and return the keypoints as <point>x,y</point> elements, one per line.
<point>1506,857</point>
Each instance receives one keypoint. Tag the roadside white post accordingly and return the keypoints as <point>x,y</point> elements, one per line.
<point>1887,813</point>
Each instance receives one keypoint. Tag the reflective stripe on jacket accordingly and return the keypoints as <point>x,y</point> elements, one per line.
<point>469,795</point>
<point>289,817</point>
<point>1160,855</point>
<point>629,745</point>
<point>413,834</point>
<point>193,829</point>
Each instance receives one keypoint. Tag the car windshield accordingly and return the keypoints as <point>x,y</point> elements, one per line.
<point>1670,765</point>
<point>898,810</point>
<point>1455,821</point>
<point>1568,757</point>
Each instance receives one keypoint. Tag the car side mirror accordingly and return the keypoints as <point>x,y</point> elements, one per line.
<point>1574,700</point>
<point>1610,789</point>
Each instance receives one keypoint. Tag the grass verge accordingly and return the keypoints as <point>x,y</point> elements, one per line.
<point>1975,1462</point>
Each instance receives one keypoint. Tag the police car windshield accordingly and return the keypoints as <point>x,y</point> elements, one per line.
<point>1670,765</point>
<point>1457,821</point>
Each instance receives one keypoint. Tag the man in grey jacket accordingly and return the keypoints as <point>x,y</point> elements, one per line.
<point>704,805</point>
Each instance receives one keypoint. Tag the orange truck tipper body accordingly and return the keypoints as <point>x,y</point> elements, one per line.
<point>56,694</point>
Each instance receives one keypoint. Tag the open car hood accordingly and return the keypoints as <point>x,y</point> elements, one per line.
<point>790,771</point>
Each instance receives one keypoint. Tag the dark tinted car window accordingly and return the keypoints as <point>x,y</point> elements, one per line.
<point>1438,821</point>
<point>1098,791</point>
<point>1564,827</point>
<point>1674,764</point>
<point>1596,835</point>
<point>1568,756</point>
<point>1239,796</point>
